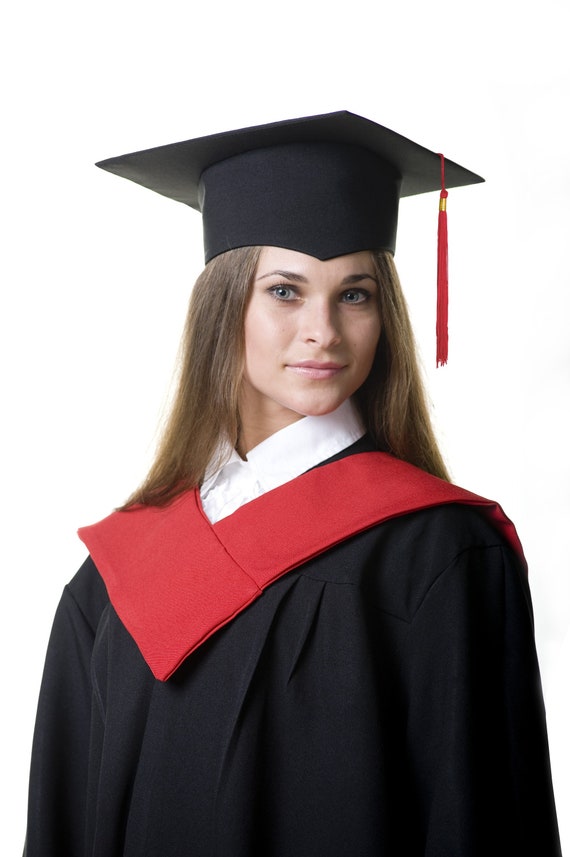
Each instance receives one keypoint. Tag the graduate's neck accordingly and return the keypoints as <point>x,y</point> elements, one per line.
<point>257,424</point>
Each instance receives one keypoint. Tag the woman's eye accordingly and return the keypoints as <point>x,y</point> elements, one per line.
<point>355,296</point>
<point>283,293</point>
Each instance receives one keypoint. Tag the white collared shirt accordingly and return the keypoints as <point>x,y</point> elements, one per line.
<point>278,459</point>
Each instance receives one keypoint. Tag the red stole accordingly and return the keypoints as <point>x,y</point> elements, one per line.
<point>174,578</point>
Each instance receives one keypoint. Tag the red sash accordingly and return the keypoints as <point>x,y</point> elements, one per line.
<point>174,579</point>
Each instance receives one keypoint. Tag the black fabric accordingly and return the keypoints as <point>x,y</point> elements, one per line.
<point>383,699</point>
<point>318,198</point>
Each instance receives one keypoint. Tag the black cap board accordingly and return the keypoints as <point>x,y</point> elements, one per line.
<point>324,185</point>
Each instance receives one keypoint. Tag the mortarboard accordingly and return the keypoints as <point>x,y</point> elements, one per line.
<point>324,185</point>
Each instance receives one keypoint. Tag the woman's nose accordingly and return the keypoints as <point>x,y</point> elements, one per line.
<point>320,324</point>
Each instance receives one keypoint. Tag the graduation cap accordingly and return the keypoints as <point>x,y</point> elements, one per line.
<point>324,185</point>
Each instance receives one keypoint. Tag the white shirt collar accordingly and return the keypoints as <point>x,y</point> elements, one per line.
<point>278,459</point>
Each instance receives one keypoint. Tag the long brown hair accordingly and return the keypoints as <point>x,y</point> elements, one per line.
<point>392,400</point>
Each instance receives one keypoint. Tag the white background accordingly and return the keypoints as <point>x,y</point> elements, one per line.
<point>95,271</point>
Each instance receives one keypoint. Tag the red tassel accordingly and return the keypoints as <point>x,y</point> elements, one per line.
<point>442,274</point>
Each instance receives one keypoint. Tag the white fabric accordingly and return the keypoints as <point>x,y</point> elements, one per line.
<point>278,459</point>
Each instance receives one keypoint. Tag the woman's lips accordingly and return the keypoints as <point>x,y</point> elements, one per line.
<point>315,370</point>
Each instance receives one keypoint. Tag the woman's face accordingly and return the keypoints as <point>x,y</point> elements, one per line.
<point>311,331</point>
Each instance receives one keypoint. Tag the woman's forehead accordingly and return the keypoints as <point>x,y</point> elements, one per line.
<point>282,259</point>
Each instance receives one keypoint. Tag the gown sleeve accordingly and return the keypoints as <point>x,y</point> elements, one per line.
<point>478,753</point>
<point>60,751</point>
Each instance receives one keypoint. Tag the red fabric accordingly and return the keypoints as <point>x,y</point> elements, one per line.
<point>174,578</point>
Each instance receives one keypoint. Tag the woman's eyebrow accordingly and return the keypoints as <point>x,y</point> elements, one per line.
<point>289,275</point>
<point>356,278</point>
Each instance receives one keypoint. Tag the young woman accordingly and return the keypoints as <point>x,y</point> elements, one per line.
<point>297,637</point>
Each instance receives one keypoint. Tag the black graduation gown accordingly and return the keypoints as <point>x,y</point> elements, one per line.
<point>381,699</point>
